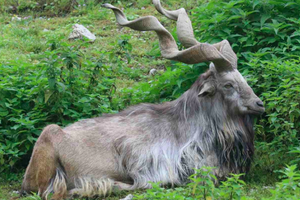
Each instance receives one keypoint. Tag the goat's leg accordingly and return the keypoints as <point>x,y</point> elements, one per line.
<point>125,186</point>
<point>43,163</point>
<point>91,188</point>
<point>122,186</point>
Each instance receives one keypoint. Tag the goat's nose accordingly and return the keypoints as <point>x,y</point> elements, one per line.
<point>260,103</point>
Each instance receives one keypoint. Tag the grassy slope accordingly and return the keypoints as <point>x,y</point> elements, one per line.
<point>27,39</point>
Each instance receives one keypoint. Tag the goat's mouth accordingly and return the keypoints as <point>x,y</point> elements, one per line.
<point>256,111</point>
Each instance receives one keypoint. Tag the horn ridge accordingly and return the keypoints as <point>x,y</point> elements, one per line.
<point>185,31</point>
<point>200,52</point>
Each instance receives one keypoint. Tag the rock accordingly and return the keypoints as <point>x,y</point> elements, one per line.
<point>128,197</point>
<point>80,31</point>
<point>16,18</point>
<point>28,17</point>
<point>152,72</point>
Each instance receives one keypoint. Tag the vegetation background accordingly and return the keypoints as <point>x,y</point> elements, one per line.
<point>45,78</point>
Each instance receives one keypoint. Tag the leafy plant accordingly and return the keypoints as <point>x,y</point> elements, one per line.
<point>232,187</point>
<point>202,186</point>
<point>203,183</point>
<point>296,160</point>
<point>63,88</point>
<point>289,187</point>
<point>268,27</point>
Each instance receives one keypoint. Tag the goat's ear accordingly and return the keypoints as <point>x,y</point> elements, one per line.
<point>207,89</point>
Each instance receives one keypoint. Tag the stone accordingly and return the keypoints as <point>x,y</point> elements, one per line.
<point>152,72</point>
<point>79,31</point>
<point>128,197</point>
<point>16,18</point>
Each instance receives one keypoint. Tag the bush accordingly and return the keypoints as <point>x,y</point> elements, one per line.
<point>289,187</point>
<point>202,186</point>
<point>268,27</point>
<point>170,85</point>
<point>65,87</point>
<point>277,82</point>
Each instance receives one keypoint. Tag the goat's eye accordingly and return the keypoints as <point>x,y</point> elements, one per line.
<point>228,86</point>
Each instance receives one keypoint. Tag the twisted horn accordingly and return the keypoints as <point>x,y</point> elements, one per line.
<point>184,26</point>
<point>186,35</point>
<point>226,50</point>
<point>200,52</point>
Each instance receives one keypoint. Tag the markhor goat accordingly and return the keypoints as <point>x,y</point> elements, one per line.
<point>209,125</point>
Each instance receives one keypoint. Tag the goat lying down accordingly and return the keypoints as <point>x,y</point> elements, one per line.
<point>209,125</point>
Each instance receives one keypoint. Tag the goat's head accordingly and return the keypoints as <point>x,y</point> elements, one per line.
<point>233,89</point>
<point>224,81</point>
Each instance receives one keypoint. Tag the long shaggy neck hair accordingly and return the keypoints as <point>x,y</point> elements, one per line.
<point>208,123</point>
<point>188,133</point>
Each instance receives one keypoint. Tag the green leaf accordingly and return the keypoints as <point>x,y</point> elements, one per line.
<point>48,94</point>
<point>51,82</point>
<point>264,18</point>
<point>3,113</point>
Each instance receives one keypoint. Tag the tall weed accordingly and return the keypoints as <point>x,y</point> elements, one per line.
<point>63,88</point>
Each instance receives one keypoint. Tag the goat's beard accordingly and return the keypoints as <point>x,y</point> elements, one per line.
<point>235,156</point>
<point>222,139</point>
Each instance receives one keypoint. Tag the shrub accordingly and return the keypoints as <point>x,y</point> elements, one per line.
<point>170,85</point>
<point>65,87</point>
<point>201,186</point>
<point>289,187</point>
<point>269,27</point>
<point>277,82</point>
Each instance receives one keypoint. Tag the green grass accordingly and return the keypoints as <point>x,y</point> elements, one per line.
<point>26,40</point>
<point>9,190</point>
